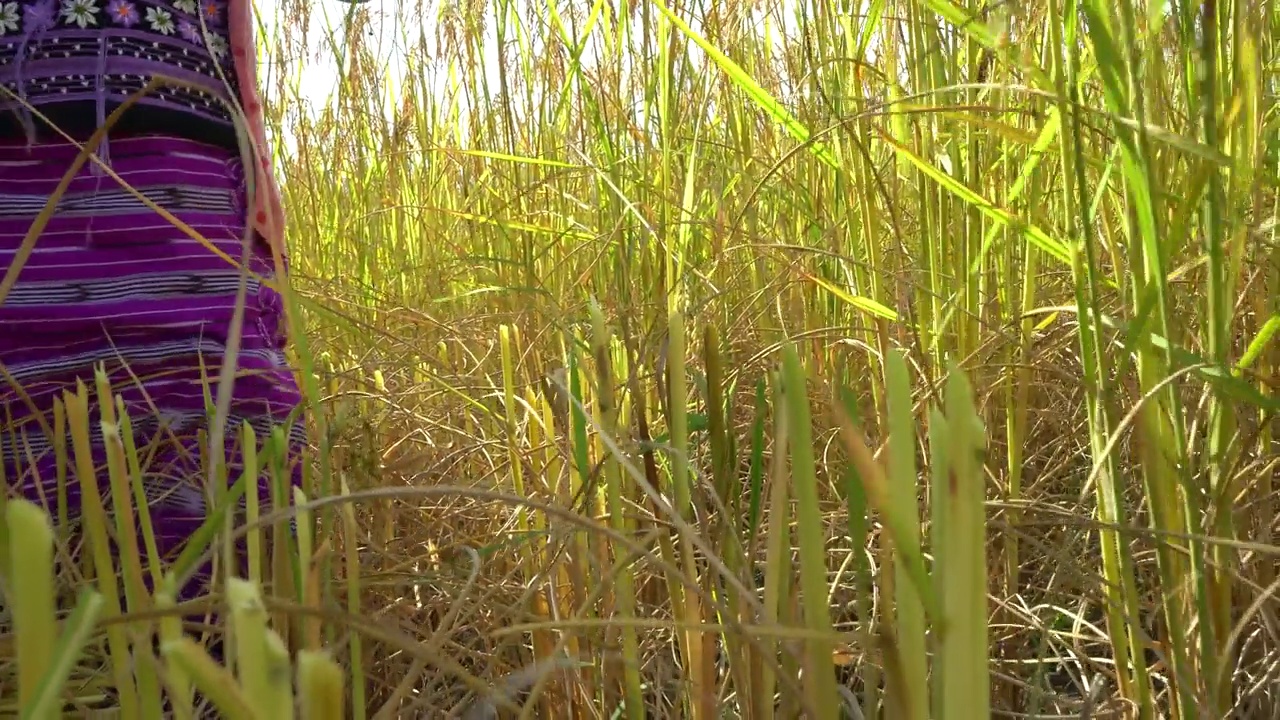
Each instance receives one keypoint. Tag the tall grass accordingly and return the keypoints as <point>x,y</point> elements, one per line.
<point>899,359</point>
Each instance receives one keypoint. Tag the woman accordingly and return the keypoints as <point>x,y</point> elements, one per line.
<point>110,281</point>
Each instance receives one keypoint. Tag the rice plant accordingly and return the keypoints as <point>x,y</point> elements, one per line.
<point>729,359</point>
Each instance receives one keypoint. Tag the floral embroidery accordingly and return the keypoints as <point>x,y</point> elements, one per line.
<point>41,22</point>
<point>39,15</point>
<point>161,20</point>
<point>213,12</point>
<point>190,21</point>
<point>80,12</point>
<point>8,18</point>
<point>123,12</point>
<point>217,46</point>
<point>189,31</point>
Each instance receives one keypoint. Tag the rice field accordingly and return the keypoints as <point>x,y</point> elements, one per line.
<point>898,359</point>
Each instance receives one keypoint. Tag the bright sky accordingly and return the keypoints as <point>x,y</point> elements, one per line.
<point>397,23</point>
<point>320,78</point>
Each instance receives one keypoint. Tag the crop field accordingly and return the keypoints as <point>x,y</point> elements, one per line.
<point>904,359</point>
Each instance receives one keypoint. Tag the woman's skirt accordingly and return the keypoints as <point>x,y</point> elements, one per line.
<point>111,284</point>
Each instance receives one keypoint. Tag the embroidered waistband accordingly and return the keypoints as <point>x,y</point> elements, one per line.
<point>55,51</point>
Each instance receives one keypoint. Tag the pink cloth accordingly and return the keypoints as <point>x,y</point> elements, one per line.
<point>268,212</point>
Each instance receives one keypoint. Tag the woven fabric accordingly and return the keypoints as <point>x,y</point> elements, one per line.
<point>67,51</point>
<point>57,53</point>
<point>113,283</point>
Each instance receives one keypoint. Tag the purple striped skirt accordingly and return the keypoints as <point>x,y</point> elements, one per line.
<point>111,283</point>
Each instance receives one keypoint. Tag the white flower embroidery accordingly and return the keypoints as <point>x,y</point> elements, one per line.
<point>160,20</point>
<point>8,18</point>
<point>186,6</point>
<point>216,44</point>
<point>80,12</point>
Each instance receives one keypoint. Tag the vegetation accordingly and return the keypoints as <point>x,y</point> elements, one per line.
<point>898,359</point>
